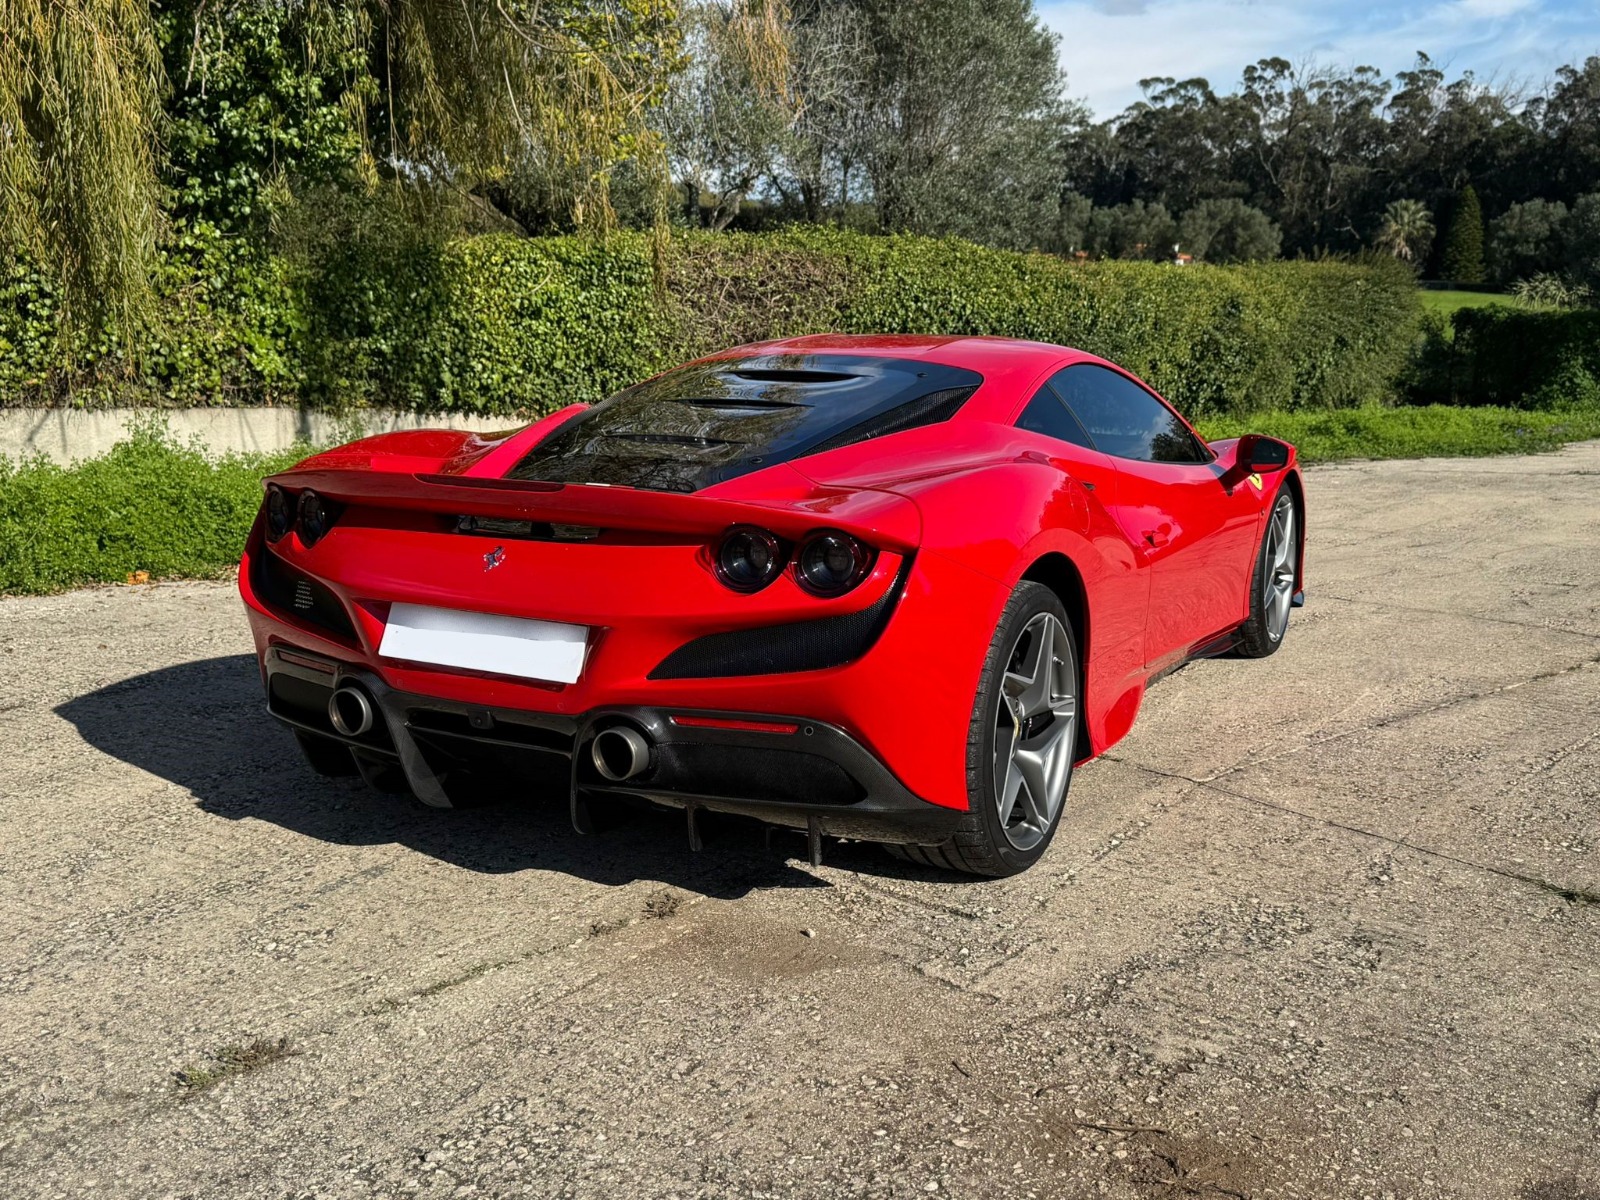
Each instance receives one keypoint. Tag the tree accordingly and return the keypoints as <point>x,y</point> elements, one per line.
<point>1568,118</point>
<point>823,150</point>
<point>962,116</point>
<point>1132,230</point>
<point>1072,224</point>
<point>448,93</point>
<point>1461,257</point>
<point>1407,230</point>
<point>1182,142</point>
<point>727,113</point>
<point>1581,243</point>
<point>80,115</point>
<point>1224,231</point>
<point>1526,240</point>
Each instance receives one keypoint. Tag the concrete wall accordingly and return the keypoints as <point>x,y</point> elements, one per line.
<point>64,434</point>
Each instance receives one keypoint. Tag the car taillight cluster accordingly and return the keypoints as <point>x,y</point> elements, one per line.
<point>310,513</point>
<point>826,563</point>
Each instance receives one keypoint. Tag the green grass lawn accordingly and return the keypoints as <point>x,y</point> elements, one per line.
<point>1434,430</point>
<point>1445,303</point>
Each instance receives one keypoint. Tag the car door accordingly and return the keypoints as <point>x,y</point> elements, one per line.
<point>1197,539</point>
<point>1122,585</point>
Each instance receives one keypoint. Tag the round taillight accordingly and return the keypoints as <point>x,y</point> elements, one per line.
<point>748,559</point>
<point>315,517</point>
<point>280,512</point>
<point>830,563</point>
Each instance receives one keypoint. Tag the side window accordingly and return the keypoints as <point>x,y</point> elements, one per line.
<point>1123,419</point>
<point>1046,415</point>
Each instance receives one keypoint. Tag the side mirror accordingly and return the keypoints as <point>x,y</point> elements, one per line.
<point>1254,454</point>
<point>1257,452</point>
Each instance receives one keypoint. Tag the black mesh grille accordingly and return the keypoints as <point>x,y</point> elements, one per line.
<point>778,649</point>
<point>281,586</point>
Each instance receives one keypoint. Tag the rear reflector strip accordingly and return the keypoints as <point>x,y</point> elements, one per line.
<point>735,723</point>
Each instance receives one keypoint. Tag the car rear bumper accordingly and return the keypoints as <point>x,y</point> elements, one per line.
<point>791,771</point>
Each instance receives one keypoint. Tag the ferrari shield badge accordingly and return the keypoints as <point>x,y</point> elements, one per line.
<point>1255,482</point>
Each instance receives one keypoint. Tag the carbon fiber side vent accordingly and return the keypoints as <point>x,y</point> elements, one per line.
<point>779,649</point>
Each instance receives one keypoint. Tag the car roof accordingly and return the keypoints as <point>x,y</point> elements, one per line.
<point>974,353</point>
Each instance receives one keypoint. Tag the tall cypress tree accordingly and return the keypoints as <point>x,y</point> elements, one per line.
<point>1462,260</point>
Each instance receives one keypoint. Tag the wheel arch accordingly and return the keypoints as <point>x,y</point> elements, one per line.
<point>1061,575</point>
<point>1297,491</point>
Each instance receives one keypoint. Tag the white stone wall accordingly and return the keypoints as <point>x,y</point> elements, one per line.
<point>63,434</point>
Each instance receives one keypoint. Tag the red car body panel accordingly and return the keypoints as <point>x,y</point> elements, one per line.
<point>958,511</point>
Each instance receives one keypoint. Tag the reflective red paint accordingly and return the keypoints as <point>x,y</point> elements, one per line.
<point>1160,554</point>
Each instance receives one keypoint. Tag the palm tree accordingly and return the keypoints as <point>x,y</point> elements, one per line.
<point>1407,229</point>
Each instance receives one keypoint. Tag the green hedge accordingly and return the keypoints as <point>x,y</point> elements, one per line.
<point>148,505</point>
<point>1511,357</point>
<point>498,324</point>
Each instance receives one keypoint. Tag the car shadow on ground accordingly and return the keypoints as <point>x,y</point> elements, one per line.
<point>203,725</point>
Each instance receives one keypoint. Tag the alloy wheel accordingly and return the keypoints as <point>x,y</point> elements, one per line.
<point>1277,580</point>
<point>1035,731</point>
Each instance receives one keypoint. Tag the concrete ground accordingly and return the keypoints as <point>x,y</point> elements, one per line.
<point>1324,925</point>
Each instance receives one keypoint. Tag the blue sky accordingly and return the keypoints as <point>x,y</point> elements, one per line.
<point>1107,46</point>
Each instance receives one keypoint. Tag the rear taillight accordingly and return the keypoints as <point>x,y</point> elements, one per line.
<point>280,512</point>
<point>748,558</point>
<point>830,563</point>
<point>316,516</point>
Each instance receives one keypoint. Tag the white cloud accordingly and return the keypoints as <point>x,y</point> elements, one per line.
<point>1107,46</point>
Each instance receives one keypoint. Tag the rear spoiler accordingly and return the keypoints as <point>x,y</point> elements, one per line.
<point>884,519</point>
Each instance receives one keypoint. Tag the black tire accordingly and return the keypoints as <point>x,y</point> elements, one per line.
<point>325,756</point>
<point>1261,635</point>
<point>981,845</point>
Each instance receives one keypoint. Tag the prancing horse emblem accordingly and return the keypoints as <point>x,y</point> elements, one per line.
<point>494,558</point>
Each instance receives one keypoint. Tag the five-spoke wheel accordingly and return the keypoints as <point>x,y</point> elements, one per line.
<point>1035,722</point>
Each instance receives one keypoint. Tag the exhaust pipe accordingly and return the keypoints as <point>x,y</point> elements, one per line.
<point>350,711</point>
<point>620,752</point>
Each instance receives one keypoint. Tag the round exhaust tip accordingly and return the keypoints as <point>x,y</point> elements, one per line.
<point>620,753</point>
<point>350,711</point>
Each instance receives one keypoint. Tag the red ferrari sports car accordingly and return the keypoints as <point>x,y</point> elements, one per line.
<point>882,588</point>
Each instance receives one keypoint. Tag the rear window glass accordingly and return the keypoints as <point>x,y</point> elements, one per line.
<point>708,422</point>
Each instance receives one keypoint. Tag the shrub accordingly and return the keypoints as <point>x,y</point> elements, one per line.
<point>500,324</point>
<point>1516,358</point>
<point>147,505</point>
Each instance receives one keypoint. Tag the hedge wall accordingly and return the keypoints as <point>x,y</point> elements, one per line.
<point>1513,358</point>
<point>500,325</point>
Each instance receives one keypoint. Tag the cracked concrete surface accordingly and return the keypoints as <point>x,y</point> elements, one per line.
<point>1324,925</point>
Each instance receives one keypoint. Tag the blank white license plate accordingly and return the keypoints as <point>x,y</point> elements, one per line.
<point>471,641</point>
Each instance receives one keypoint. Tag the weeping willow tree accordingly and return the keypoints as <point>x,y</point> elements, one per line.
<point>449,93</point>
<point>80,114</point>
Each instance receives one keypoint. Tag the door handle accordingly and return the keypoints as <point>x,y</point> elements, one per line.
<point>1159,536</point>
